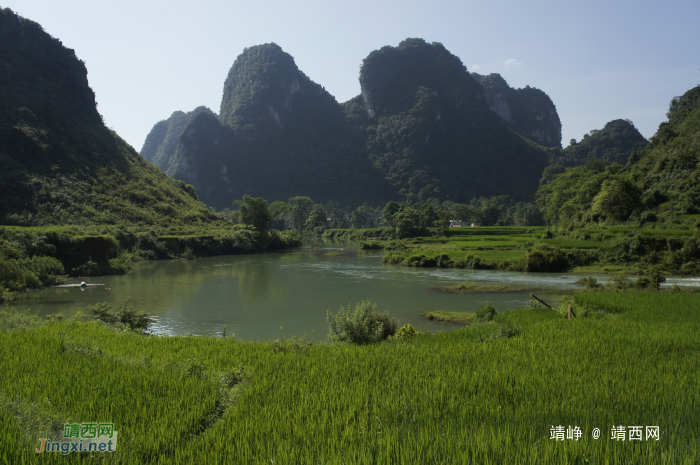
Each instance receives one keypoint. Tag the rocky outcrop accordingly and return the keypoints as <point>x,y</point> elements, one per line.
<point>527,111</point>
<point>161,143</point>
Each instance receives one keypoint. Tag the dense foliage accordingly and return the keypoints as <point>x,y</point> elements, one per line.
<point>615,143</point>
<point>528,111</point>
<point>658,184</point>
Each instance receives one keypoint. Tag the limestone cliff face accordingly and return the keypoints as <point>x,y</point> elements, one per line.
<point>264,88</point>
<point>278,135</point>
<point>528,111</point>
<point>207,158</point>
<point>161,143</point>
<point>431,132</point>
<point>421,128</point>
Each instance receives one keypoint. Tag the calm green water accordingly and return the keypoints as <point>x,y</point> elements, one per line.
<point>255,295</point>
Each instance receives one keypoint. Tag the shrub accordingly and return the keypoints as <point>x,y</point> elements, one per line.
<point>486,313</point>
<point>389,324</point>
<point>298,344</point>
<point>363,325</point>
<point>589,283</point>
<point>650,279</point>
<point>546,260</point>
<point>371,245</point>
<point>406,331</point>
<point>502,333</point>
<point>125,316</point>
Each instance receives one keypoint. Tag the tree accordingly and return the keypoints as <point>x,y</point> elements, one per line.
<point>389,211</point>
<point>467,213</point>
<point>427,215</point>
<point>443,218</point>
<point>254,211</point>
<point>299,210</point>
<point>406,220</point>
<point>317,217</point>
<point>338,218</point>
<point>276,210</point>
<point>359,217</point>
<point>617,199</point>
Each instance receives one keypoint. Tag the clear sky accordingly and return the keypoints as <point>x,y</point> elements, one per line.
<point>597,60</point>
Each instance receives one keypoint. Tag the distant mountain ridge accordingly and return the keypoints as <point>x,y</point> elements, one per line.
<point>421,128</point>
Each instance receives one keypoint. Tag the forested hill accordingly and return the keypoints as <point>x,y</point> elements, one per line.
<point>278,134</point>
<point>58,162</point>
<point>528,111</point>
<point>660,183</point>
<point>430,131</point>
<point>612,144</point>
<point>421,128</point>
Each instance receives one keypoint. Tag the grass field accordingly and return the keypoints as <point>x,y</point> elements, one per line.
<point>538,249</point>
<point>444,398</point>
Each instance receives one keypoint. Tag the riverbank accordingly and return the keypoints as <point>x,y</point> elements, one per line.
<point>487,393</point>
<point>34,257</point>
<point>537,249</point>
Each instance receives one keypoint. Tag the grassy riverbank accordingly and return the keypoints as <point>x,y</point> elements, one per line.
<point>538,249</point>
<point>32,257</point>
<point>487,393</point>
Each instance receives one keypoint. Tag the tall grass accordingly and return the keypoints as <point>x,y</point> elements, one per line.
<point>445,398</point>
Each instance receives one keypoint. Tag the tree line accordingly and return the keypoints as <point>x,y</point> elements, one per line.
<point>300,213</point>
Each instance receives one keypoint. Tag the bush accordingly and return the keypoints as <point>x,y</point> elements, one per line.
<point>546,260</point>
<point>298,344</point>
<point>371,245</point>
<point>125,317</point>
<point>486,313</point>
<point>406,331</point>
<point>389,325</point>
<point>589,283</point>
<point>363,325</point>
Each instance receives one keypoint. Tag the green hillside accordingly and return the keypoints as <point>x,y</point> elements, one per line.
<point>59,164</point>
<point>612,144</point>
<point>658,184</point>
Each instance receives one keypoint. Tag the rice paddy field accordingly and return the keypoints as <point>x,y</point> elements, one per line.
<point>507,247</point>
<point>488,393</point>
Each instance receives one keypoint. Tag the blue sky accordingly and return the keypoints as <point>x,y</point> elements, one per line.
<point>597,60</point>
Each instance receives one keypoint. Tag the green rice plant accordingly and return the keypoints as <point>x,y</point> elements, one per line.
<point>294,344</point>
<point>442,398</point>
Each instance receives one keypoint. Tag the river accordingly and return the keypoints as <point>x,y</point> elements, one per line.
<point>256,295</point>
